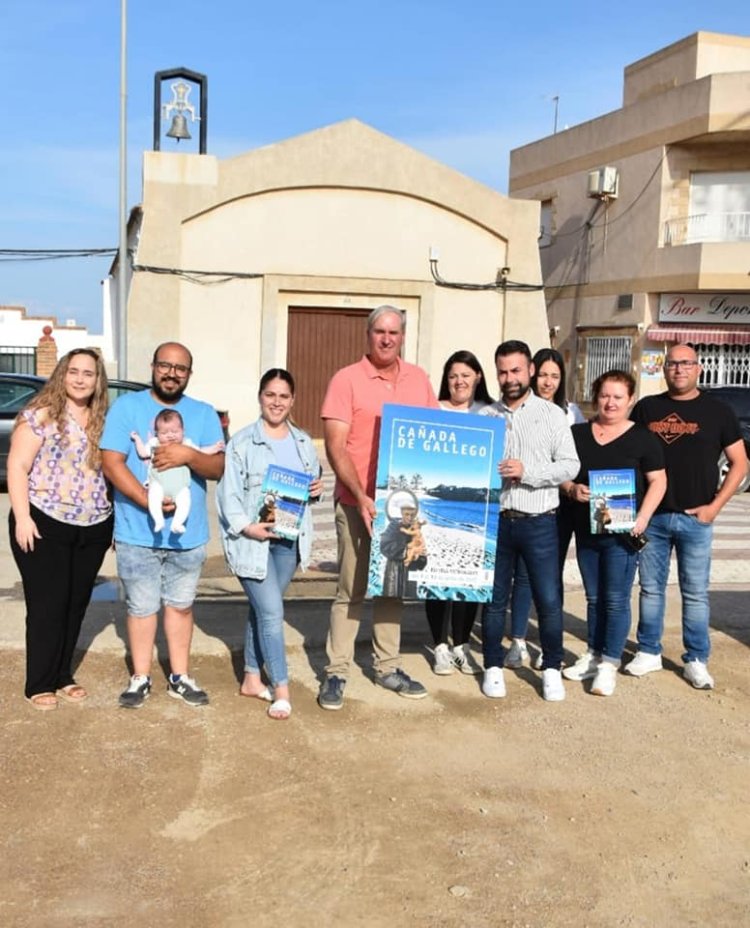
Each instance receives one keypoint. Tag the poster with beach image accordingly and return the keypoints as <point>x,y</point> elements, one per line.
<point>283,497</point>
<point>612,505</point>
<point>437,505</point>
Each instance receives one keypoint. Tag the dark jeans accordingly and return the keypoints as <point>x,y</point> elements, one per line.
<point>461,615</point>
<point>58,577</point>
<point>520,600</point>
<point>534,540</point>
<point>607,564</point>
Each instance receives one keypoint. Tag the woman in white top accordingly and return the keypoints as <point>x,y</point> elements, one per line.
<point>462,389</point>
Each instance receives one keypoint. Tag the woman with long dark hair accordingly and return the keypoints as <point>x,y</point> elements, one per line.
<point>462,389</point>
<point>263,561</point>
<point>60,519</point>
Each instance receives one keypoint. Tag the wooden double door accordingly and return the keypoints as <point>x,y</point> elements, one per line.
<point>319,342</point>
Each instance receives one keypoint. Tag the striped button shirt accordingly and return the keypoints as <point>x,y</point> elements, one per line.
<point>537,434</point>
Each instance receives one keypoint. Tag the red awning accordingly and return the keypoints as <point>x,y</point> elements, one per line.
<point>705,335</point>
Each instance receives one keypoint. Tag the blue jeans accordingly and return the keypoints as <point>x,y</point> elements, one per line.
<point>520,600</point>
<point>264,635</point>
<point>607,566</point>
<point>534,540</point>
<point>691,541</point>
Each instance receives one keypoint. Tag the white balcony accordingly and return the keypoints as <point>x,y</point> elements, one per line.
<point>707,227</point>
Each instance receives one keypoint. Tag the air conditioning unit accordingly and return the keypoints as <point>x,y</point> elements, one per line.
<point>603,183</point>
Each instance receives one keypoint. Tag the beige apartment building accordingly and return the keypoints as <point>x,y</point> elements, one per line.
<point>645,219</point>
<point>275,258</point>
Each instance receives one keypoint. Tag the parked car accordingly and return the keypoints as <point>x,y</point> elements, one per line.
<point>738,398</point>
<point>17,389</point>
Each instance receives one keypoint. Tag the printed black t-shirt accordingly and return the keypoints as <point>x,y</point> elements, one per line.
<point>693,433</point>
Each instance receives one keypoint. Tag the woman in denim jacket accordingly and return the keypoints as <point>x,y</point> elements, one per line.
<point>263,562</point>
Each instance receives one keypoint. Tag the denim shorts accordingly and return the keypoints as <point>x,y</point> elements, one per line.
<point>152,576</point>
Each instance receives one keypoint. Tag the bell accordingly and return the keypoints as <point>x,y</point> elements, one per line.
<point>179,130</point>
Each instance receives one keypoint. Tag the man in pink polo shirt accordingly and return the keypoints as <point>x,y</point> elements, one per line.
<point>351,413</point>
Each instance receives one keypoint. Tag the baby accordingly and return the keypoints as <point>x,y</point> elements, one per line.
<point>173,483</point>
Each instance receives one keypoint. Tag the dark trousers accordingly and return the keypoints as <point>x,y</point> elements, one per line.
<point>58,577</point>
<point>462,615</point>
<point>534,540</point>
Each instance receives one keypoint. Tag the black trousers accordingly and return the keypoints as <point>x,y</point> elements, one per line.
<point>58,577</point>
<point>461,615</point>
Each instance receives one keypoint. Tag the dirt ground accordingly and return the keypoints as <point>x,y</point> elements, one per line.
<point>452,811</point>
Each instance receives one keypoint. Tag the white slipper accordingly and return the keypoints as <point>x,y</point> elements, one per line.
<point>282,706</point>
<point>266,695</point>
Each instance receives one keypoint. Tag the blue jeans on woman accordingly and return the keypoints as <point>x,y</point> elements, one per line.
<point>535,540</point>
<point>691,541</point>
<point>264,636</point>
<point>607,564</point>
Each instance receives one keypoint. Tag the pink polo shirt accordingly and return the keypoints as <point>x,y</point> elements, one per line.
<point>356,395</point>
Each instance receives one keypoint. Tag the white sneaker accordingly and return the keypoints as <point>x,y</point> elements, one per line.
<point>443,664</point>
<point>518,654</point>
<point>464,660</point>
<point>643,663</point>
<point>605,680</point>
<point>584,668</point>
<point>493,683</point>
<point>538,662</point>
<point>552,685</point>
<point>696,673</point>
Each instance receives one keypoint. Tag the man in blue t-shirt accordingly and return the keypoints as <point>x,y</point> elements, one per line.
<point>160,568</point>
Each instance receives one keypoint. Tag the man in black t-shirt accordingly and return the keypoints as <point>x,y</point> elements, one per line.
<point>694,429</point>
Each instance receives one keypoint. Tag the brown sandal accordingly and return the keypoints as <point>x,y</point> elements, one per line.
<point>41,701</point>
<point>73,692</point>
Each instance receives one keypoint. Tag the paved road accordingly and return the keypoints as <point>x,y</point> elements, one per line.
<point>730,548</point>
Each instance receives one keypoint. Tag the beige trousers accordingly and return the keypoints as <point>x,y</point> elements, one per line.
<point>346,611</point>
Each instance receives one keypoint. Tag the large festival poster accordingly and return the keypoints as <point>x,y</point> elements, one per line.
<point>437,500</point>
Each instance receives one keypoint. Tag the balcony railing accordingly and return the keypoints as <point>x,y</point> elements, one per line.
<point>708,227</point>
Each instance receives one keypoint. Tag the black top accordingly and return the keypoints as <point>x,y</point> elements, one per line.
<point>693,434</point>
<point>636,449</point>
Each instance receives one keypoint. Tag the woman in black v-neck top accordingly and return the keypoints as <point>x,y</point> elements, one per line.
<point>605,530</point>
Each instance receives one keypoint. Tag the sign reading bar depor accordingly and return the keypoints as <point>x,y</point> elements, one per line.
<point>708,308</point>
<point>437,500</point>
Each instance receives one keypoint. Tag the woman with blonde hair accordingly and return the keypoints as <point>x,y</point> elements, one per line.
<point>60,519</point>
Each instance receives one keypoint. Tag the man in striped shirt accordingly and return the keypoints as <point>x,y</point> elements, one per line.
<point>539,456</point>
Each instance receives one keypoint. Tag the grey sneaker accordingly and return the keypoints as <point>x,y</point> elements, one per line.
<point>186,689</point>
<point>331,695</point>
<point>517,654</point>
<point>399,682</point>
<point>137,692</point>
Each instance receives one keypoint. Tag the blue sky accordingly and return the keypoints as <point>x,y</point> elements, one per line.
<point>463,82</point>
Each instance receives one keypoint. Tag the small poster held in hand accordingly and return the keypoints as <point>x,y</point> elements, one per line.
<point>283,497</point>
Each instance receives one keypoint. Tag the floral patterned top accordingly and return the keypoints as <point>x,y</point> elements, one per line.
<point>61,483</point>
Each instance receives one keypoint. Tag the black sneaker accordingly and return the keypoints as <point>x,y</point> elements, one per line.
<point>186,689</point>
<point>399,682</point>
<point>331,695</point>
<point>137,692</point>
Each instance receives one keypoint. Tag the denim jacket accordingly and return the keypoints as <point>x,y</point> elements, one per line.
<point>248,455</point>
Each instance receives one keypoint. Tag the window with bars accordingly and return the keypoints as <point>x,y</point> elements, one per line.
<point>17,359</point>
<point>724,365</point>
<point>606,353</point>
